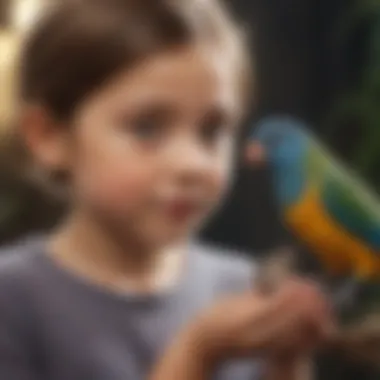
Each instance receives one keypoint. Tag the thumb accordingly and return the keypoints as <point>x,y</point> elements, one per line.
<point>275,270</point>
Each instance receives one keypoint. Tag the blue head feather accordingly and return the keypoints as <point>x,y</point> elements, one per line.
<point>285,140</point>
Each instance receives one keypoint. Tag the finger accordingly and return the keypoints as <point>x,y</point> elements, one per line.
<point>319,313</point>
<point>275,270</point>
<point>305,291</point>
<point>294,301</point>
<point>273,331</point>
<point>284,331</point>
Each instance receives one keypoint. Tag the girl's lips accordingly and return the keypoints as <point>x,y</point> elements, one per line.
<point>181,210</point>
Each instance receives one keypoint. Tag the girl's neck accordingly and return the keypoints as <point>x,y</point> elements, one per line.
<point>84,247</point>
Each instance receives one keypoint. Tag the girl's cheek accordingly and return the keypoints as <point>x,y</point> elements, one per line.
<point>117,184</point>
<point>130,188</point>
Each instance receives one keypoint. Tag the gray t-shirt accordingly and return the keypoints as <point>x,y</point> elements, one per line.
<point>56,326</point>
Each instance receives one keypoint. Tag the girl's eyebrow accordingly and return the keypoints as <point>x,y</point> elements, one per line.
<point>218,115</point>
<point>159,110</point>
<point>149,104</point>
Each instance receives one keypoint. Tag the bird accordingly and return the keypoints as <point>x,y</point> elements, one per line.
<point>320,200</point>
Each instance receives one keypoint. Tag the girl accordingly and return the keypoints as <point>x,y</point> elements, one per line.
<point>132,107</point>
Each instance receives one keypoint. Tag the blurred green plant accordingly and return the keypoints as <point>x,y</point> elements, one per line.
<point>361,105</point>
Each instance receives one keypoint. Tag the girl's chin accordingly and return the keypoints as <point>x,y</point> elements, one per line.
<point>161,232</point>
<point>170,236</point>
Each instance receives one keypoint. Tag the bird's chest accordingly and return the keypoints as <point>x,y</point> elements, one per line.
<point>310,222</point>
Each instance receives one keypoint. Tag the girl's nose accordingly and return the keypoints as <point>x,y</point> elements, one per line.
<point>191,159</point>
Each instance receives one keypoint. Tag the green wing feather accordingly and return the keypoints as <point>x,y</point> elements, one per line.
<point>346,199</point>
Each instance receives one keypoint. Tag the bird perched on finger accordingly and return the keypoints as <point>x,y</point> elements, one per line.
<point>335,214</point>
<point>320,200</point>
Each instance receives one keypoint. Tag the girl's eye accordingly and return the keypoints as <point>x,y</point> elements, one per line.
<point>211,133</point>
<point>147,128</point>
<point>213,127</point>
<point>149,125</point>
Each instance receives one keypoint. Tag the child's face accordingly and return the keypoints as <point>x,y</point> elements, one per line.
<point>153,149</point>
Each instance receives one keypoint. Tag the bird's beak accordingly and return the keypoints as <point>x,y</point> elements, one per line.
<point>255,154</point>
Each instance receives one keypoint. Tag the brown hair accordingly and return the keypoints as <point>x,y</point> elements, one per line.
<point>79,44</point>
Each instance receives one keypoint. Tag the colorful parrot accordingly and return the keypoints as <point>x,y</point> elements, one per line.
<point>320,201</point>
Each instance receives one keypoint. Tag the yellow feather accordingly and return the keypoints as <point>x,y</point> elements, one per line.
<point>339,252</point>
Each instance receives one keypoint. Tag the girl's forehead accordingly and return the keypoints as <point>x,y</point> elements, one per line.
<point>191,74</point>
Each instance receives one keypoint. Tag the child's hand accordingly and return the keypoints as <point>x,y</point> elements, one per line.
<point>295,319</point>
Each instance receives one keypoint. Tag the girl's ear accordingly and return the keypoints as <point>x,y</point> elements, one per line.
<point>46,139</point>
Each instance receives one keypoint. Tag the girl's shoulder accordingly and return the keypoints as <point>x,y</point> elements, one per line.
<point>19,274</point>
<point>19,265</point>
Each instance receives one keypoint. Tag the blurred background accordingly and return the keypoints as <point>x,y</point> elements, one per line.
<point>318,60</point>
